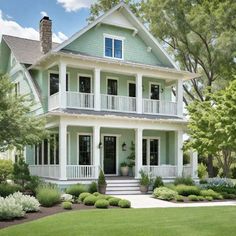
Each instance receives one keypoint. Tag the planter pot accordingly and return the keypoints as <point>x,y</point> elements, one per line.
<point>143,189</point>
<point>102,189</point>
<point>132,171</point>
<point>124,171</point>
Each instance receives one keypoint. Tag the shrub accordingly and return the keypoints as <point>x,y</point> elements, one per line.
<point>82,196</point>
<point>67,197</point>
<point>107,197</point>
<point>179,198</point>
<point>186,190</point>
<point>92,187</point>
<point>228,195</point>
<point>114,201</point>
<point>164,193</point>
<point>7,189</point>
<point>28,203</point>
<point>203,181</point>
<point>220,182</point>
<point>33,184</point>
<point>6,169</point>
<point>211,193</point>
<point>124,203</point>
<point>183,180</point>
<point>193,198</point>
<point>96,194</point>
<point>201,198</point>
<point>101,179</point>
<point>209,198</point>
<point>233,172</point>
<point>202,171</point>
<point>158,182</point>
<point>145,179</point>
<point>67,205</point>
<point>102,203</point>
<point>76,190</point>
<point>48,196</point>
<point>10,209</point>
<point>101,196</point>
<point>90,200</point>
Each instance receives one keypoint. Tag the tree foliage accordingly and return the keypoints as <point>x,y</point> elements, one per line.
<point>212,126</point>
<point>18,125</point>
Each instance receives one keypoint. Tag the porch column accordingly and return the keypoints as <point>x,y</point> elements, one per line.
<point>180,96</point>
<point>139,94</point>
<point>138,151</point>
<point>194,164</point>
<point>96,150</point>
<point>179,152</point>
<point>62,149</point>
<point>97,94</point>
<point>62,84</point>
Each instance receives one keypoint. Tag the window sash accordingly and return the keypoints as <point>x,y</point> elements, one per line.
<point>113,48</point>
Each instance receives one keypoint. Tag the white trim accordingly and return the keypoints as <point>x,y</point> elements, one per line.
<point>68,136</point>
<point>85,75</point>
<point>113,37</point>
<point>149,90</point>
<point>117,152</point>
<point>148,138</point>
<point>112,78</point>
<point>91,144</point>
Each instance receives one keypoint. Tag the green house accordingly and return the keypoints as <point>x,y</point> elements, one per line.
<point>106,93</point>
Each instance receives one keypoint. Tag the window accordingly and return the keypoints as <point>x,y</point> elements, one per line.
<point>132,90</point>
<point>84,150</point>
<point>54,83</point>
<point>84,84</point>
<point>155,91</point>
<point>114,47</point>
<point>151,151</point>
<point>112,86</point>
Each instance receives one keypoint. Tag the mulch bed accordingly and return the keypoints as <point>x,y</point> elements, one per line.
<point>44,211</point>
<point>186,200</point>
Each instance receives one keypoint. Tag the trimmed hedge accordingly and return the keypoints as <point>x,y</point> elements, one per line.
<point>179,198</point>
<point>114,201</point>
<point>193,198</point>
<point>82,196</point>
<point>124,203</point>
<point>211,193</point>
<point>164,193</point>
<point>90,200</point>
<point>209,198</point>
<point>67,205</point>
<point>102,204</point>
<point>186,190</point>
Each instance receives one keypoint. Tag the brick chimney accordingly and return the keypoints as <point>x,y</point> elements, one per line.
<point>45,28</point>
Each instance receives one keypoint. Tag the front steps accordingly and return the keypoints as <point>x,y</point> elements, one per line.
<point>122,186</point>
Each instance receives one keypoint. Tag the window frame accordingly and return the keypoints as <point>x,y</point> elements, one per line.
<point>113,37</point>
<point>84,75</point>
<point>150,89</point>
<point>91,146</point>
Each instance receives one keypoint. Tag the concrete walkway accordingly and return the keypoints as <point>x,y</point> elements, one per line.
<point>147,201</point>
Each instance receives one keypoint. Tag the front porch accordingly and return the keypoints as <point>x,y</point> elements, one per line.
<point>77,152</point>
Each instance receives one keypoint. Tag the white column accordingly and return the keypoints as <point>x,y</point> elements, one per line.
<point>180,97</point>
<point>62,149</point>
<point>139,94</point>
<point>179,152</point>
<point>97,94</point>
<point>194,163</point>
<point>96,150</point>
<point>62,85</point>
<point>138,151</point>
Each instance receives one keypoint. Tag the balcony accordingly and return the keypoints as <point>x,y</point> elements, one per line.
<point>115,103</point>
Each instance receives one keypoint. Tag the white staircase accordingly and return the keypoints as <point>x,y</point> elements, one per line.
<point>122,186</point>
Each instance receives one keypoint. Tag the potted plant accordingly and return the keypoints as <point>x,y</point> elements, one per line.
<point>144,181</point>
<point>124,168</point>
<point>131,159</point>
<point>102,184</point>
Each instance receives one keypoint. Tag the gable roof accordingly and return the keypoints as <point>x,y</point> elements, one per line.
<point>26,51</point>
<point>141,30</point>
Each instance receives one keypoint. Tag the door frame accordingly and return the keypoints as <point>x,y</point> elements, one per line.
<point>150,87</point>
<point>112,78</point>
<point>117,153</point>
<point>84,75</point>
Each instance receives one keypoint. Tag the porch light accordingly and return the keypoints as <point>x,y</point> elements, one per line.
<point>100,145</point>
<point>124,146</point>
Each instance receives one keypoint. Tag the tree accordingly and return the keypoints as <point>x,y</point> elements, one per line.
<point>6,169</point>
<point>19,126</point>
<point>212,126</point>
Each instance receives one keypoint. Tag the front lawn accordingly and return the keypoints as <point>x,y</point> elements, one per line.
<point>159,221</point>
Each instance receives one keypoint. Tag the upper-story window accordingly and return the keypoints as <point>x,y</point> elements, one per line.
<point>54,83</point>
<point>114,47</point>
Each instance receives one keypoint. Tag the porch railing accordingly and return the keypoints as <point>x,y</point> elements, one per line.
<point>47,171</point>
<point>80,100</point>
<point>187,170</point>
<point>151,106</point>
<point>53,101</point>
<point>118,103</point>
<point>162,170</point>
<point>81,171</point>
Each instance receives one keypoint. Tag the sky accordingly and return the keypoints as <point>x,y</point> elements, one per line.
<point>21,17</point>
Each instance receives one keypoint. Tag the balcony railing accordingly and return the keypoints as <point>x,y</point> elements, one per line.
<point>53,101</point>
<point>80,100</point>
<point>118,103</point>
<point>163,107</point>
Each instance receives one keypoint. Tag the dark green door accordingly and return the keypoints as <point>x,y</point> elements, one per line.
<point>109,155</point>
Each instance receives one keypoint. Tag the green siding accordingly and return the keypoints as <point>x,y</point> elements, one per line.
<point>92,43</point>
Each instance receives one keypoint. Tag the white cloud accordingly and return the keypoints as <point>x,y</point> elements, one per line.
<point>11,27</point>
<point>43,13</point>
<point>75,5</point>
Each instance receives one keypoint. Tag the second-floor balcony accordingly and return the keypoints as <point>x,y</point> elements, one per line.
<point>115,103</point>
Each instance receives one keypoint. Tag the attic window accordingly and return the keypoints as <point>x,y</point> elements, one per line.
<point>113,47</point>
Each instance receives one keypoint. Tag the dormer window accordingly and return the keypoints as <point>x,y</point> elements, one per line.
<point>113,47</point>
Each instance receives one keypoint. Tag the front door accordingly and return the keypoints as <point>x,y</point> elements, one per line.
<point>109,155</point>
<point>155,91</point>
<point>84,84</point>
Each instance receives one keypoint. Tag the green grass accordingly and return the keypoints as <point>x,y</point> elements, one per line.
<point>210,221</point>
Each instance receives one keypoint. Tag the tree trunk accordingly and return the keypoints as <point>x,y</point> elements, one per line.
<point>210,166</point>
